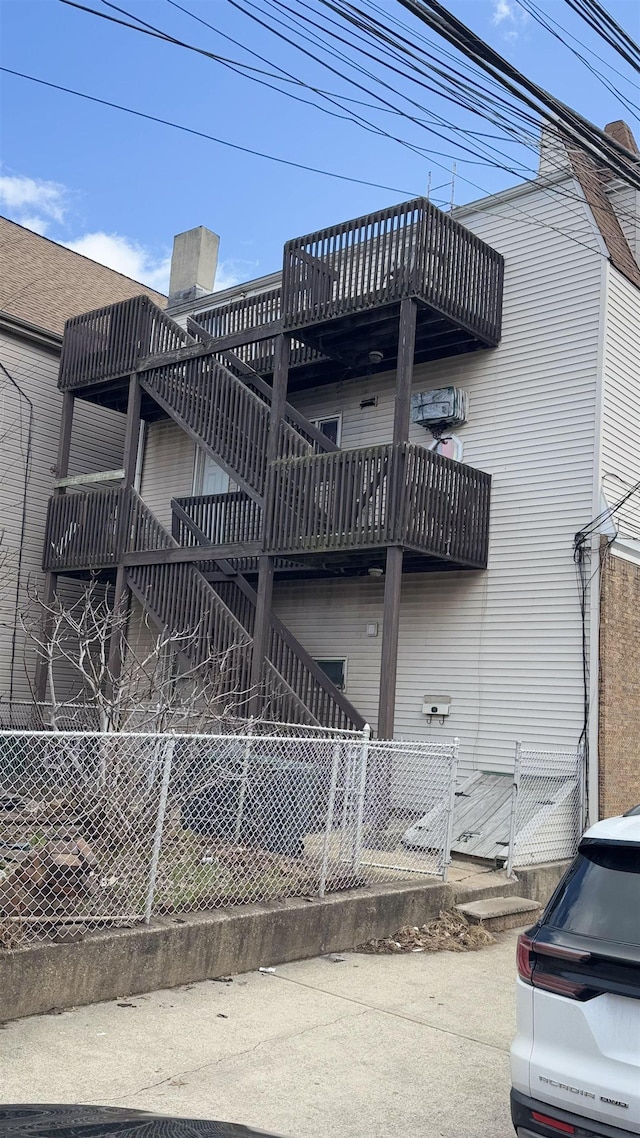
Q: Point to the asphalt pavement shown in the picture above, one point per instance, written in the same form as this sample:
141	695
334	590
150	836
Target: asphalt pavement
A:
358	1047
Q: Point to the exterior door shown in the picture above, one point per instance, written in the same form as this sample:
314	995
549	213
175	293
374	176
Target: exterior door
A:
214	479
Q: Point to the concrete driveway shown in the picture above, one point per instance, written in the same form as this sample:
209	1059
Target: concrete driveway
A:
363	1048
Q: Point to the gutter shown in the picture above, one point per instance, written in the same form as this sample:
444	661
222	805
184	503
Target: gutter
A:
33	333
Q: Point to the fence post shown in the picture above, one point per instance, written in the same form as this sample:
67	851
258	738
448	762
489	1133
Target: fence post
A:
244	779
157	838
448	838
514	809
360	795
329	823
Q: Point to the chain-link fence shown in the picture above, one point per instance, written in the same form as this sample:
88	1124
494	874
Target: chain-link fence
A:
77	822
547	806
100	829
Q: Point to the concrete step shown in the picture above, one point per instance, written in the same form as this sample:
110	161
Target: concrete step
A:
500	913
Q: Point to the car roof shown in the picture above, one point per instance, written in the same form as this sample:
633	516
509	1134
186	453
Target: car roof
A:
624	829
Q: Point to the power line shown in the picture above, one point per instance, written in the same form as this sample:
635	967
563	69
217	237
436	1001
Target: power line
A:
546	21
209	137
602	22
162	35
582	132
375	29
356	118
156	33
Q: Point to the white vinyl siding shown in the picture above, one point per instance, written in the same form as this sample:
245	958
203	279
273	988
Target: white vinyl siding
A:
167	468
505	644
97	442
621	400
626	202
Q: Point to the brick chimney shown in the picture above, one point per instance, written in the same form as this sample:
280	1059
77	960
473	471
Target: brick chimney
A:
622	133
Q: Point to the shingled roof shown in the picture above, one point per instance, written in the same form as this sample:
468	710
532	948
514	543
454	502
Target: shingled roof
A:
43	283
593	178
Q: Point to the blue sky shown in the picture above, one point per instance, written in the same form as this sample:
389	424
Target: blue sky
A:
118	188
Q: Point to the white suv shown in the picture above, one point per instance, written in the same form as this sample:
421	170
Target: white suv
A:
575	1062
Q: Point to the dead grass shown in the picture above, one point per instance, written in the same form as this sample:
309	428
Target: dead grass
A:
450	932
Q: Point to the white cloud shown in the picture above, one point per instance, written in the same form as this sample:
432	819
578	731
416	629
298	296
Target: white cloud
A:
126	257
33	202
230	273
134	260
40	205
510	17
37	224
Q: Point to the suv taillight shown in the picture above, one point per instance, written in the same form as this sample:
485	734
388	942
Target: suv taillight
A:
546	980
524	958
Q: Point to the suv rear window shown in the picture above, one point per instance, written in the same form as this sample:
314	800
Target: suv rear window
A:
601	895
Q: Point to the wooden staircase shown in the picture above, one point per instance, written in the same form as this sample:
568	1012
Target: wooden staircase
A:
217	621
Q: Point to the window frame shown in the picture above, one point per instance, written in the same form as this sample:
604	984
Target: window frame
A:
344	660
337	417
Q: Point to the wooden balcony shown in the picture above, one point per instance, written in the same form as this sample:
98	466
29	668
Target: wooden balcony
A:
103	347
306	365
333	511
342	286
89	531
344	508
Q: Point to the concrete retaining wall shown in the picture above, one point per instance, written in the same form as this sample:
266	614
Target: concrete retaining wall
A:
173	951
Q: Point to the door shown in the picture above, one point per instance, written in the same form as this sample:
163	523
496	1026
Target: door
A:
213	479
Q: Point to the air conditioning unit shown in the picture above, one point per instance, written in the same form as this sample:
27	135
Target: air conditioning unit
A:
440	409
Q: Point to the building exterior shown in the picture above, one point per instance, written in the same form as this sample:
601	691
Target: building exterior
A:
42	284
290	502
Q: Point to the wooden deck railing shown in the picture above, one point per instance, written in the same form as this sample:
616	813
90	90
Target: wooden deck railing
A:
109	342
89	530
82	530
250	312
412	249
378	496
223	518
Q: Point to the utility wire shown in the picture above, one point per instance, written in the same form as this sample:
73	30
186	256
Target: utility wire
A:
381	31
159	34
602	22
365	123
584	133
546	21
209	137
156	33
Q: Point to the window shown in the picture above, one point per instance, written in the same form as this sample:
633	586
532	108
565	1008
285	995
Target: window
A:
335	670
331	426
601	894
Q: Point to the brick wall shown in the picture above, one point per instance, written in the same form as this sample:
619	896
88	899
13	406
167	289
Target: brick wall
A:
619	710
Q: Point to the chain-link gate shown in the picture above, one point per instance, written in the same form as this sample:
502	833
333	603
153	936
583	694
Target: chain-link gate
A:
409	808
547	806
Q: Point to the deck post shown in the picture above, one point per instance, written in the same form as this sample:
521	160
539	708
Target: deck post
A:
393	572
121	594
51	579
262	626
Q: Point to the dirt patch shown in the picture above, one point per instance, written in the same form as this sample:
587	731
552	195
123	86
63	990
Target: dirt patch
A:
449	932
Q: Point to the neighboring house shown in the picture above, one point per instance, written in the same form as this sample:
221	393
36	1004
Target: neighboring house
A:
328	539
42	284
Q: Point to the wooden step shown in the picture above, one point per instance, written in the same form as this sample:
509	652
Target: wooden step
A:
500	913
